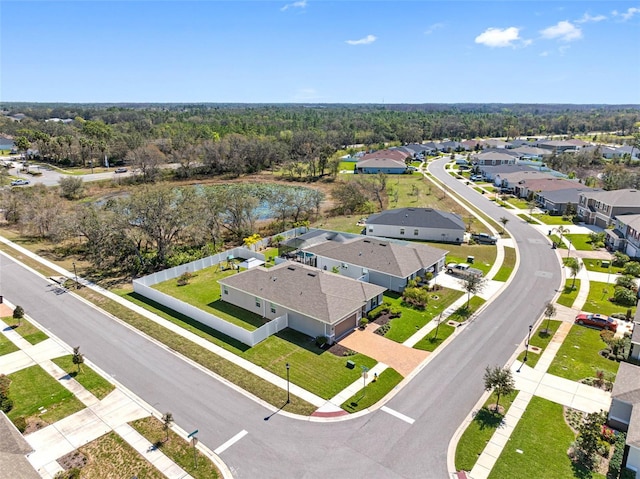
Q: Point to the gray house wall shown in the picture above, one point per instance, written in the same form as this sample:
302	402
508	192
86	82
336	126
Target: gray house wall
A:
423	233
620	414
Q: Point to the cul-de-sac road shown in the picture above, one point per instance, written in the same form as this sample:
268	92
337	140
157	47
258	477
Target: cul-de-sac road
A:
378	444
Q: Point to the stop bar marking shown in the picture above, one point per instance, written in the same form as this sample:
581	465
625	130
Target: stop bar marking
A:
397	414
230	442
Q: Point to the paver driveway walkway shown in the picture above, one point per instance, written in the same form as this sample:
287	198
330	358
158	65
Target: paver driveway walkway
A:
395	355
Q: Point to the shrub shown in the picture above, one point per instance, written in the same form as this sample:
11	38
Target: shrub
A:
626	281
606	335
620	315
608	434
615	463
184	278
620	259
627	474
382	330
6	404
18	313
349	352
363	322
375	313
632	268
321	341
20	423
624	296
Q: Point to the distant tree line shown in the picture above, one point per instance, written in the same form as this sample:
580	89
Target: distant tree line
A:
238	139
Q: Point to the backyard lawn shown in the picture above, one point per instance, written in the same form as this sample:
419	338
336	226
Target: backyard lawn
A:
36	393
479	432
569	294
578	356
203	292
539	445
27	330
92	381
412	320
598	300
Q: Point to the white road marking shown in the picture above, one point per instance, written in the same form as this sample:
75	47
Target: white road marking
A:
231	442
397	414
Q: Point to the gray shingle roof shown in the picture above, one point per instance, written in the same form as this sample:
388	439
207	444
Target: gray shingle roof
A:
569	195
13	448
418	217
632	220
627	197
395	259
627	385
322	295
381	163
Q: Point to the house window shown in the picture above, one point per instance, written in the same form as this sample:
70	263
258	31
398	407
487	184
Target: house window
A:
415	232
258	302
401	231
370	230
225	290
273	308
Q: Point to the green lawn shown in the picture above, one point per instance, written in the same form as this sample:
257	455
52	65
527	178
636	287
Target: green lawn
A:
540	339
92	381
348	223
33	391
539	446
580	241
598	300
374	391
479	432
6	346
412	320
596	265
27	330
347	166
176	448
430	342
525	217
569	294
556	239
551	220
507	265
519	203
483	255
578	356
203	292
463	313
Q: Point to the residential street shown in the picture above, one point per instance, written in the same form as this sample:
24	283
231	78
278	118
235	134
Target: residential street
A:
412	444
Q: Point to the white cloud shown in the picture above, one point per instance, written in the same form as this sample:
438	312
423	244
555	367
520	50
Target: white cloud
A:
544	54
363	41
563	49
433	28
299	4
586	18
565	31
499	37
628	15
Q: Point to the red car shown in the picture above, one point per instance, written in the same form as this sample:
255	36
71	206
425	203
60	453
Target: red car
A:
597	321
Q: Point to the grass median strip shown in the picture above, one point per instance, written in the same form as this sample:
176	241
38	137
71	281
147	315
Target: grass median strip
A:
6	346
431	341
507	265
87	377
176	448
569	293
374	391
25	329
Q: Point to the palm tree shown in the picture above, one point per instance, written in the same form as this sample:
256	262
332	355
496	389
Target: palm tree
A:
561	230
575	266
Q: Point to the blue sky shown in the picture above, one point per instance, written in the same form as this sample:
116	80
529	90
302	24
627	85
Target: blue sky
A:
307	51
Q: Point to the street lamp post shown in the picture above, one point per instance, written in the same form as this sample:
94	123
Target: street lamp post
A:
75	274
526	348
288	396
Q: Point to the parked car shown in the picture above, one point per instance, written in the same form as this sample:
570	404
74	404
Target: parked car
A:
484	238
19	182
476	178
599	321
121	170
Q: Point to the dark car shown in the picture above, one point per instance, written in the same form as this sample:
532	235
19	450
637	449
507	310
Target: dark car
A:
484	238
599	321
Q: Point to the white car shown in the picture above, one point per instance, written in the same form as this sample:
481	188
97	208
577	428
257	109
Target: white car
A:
19	182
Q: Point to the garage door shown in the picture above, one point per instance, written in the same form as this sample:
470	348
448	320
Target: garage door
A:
345	326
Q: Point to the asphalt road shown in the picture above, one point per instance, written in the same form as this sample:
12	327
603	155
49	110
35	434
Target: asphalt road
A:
378	445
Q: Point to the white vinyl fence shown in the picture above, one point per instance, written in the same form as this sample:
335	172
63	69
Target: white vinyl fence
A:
143	286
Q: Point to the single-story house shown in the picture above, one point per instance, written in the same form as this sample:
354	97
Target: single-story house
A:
531	153
491	172
316	302
495	143
531	187
381	165
493	158
417	224
387	263
634	353
558	146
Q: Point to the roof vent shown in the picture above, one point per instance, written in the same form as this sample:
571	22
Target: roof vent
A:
291	268
313	275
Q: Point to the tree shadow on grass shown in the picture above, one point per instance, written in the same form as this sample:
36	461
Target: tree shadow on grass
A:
580	470
488	419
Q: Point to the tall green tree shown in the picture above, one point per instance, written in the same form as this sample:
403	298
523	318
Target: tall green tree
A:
500	381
